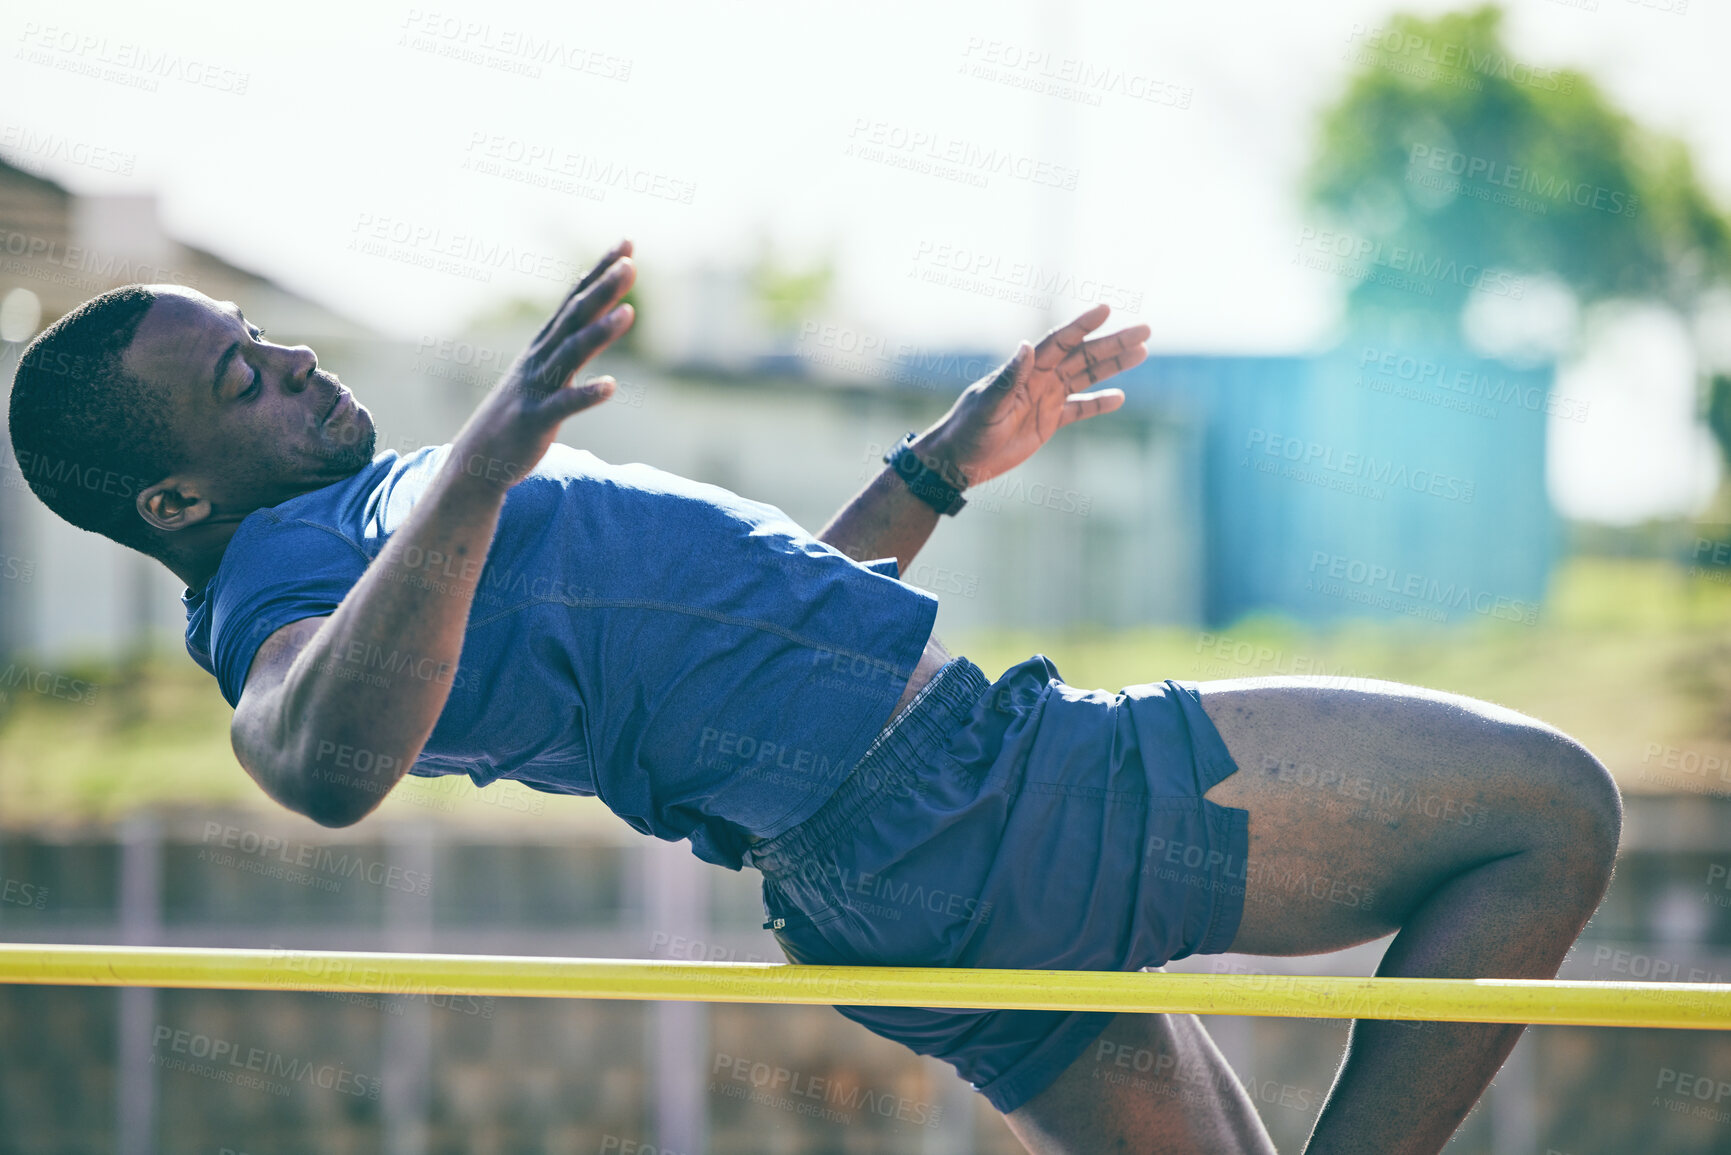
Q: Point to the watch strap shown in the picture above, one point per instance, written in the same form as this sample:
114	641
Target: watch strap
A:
924	482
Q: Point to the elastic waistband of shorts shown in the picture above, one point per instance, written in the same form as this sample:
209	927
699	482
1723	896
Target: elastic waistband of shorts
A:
891	768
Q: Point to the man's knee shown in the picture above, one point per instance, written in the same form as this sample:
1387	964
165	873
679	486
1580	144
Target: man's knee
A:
1597	799
1579	804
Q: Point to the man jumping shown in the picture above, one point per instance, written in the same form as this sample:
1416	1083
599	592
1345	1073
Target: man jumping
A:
507	607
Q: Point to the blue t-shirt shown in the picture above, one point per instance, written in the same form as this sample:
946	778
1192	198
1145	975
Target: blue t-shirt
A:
696	660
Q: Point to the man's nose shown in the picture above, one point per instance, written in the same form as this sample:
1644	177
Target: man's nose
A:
302	361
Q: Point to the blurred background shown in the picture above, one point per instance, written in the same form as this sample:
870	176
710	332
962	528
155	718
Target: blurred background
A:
1439	391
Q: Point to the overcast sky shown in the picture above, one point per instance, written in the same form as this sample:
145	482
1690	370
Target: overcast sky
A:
341	150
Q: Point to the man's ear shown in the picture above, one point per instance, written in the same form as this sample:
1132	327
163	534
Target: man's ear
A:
174	504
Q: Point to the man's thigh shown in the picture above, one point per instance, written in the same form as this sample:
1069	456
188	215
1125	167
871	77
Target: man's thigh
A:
1149	1083
1365	795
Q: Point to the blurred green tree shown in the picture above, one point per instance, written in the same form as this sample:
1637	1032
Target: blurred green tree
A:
1447	161
788	296
1449	167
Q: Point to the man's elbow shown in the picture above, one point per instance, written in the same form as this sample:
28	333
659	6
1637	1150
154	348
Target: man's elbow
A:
333	813
335	805
289	776
324	803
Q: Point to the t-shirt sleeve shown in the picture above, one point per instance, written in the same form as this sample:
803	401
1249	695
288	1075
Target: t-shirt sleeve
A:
273	573
886	566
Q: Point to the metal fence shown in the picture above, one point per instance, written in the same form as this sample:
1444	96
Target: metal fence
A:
419	1071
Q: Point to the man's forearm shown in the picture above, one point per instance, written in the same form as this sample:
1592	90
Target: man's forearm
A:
375	675
885	519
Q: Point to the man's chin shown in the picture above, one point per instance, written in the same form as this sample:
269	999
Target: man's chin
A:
352	455
352	442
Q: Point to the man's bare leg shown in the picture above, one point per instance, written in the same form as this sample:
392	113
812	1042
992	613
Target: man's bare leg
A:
1150	1083
1483	837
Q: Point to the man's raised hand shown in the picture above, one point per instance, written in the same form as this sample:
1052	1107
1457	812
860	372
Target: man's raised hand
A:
999	421
511	428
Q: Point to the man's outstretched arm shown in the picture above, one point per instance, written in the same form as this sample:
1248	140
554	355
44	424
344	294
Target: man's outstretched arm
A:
296	706
995	425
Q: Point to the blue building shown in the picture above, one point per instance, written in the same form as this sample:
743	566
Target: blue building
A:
1369	481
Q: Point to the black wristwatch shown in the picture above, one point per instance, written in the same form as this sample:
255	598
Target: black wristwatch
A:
926	483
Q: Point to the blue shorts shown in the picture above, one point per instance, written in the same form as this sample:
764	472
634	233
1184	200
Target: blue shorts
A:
1021	823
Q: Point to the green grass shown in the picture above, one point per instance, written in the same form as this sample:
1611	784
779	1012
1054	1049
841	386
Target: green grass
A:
1626	655
156	737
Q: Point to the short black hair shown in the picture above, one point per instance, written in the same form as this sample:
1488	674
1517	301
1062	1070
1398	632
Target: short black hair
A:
86	433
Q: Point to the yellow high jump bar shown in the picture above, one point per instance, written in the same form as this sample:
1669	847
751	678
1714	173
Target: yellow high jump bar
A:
1697	1006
